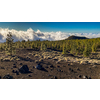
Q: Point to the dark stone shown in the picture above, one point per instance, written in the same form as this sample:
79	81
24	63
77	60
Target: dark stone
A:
51	66
8	77
46	67
38	67
61	70
30	75
0	77
17	72
48	74
86	77
78	69
89	78
55	77
58	66
80	76
14	66
2	68
20	64
58	70
24	69
68	64
33	67
70	69
13	71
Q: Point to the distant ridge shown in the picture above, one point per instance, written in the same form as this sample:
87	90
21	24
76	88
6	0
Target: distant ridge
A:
75	37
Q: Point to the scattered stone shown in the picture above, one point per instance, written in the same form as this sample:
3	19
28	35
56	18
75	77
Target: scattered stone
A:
68	64
17	72
20	64
51	66
36	61
48	74
38	67
94	66
84	62
78	69
55	77
89	78
58	70
30	75
2	68
13	71
24	69
80	76
58	62
89	68
58	66
61	70
14	66
71	64
85	77
71	70
46	67
64	66
33	67
8	77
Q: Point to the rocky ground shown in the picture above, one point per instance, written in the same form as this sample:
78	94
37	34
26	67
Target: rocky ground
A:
30	64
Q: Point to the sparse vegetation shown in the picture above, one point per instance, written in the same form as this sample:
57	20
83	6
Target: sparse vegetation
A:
77	47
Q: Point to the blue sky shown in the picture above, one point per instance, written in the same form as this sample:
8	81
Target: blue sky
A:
82	27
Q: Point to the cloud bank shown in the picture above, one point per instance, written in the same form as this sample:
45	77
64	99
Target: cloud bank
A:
32	35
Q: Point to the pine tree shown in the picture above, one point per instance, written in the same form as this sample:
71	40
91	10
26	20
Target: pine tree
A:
9	44
43	47
87	50
64	49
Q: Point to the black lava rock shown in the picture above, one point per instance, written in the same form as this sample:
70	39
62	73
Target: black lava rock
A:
55	77
33	67
17	72
58	66
89	78
2	68
24	69
8	77
80	76
30	75
14	66
46	67
70	69
51	66
20	64
78	69
13	71
58	70
38	67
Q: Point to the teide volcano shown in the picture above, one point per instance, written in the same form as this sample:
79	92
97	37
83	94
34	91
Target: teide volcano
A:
75	37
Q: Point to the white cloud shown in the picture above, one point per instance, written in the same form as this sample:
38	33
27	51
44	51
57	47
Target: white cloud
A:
32	35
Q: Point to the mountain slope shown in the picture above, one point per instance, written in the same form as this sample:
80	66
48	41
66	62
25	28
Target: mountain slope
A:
75	37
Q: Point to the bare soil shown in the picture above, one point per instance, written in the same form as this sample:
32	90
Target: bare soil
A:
52	69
